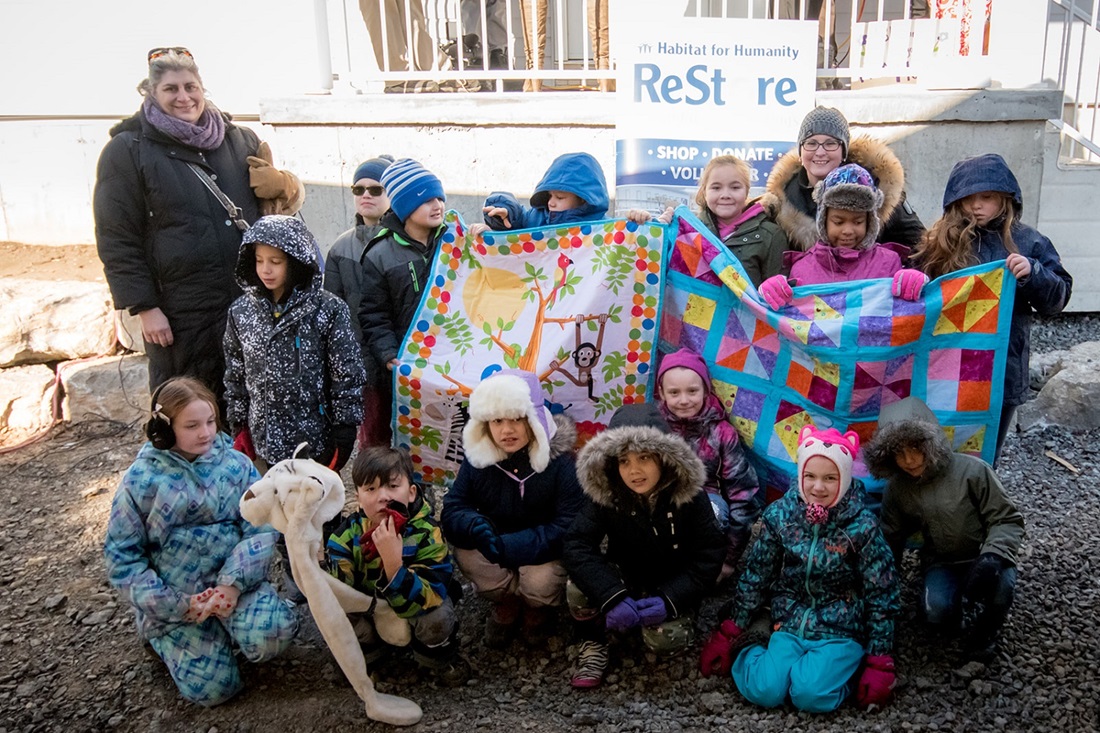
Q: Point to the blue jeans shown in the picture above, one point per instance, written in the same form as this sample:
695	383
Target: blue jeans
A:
942	602
816	674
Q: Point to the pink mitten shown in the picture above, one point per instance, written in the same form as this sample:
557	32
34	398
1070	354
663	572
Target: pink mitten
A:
776	291
876	684
717	654
908	283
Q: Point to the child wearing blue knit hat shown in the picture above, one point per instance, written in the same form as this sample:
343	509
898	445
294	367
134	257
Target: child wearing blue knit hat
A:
398	260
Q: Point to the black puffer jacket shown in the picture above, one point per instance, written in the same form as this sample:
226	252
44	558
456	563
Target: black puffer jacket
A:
293	370
344	278
395	275
666	544
165	241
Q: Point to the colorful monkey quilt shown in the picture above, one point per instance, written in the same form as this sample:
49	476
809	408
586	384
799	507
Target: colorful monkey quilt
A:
577	305
838	353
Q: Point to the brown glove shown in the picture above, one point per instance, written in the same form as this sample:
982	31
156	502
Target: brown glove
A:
280	192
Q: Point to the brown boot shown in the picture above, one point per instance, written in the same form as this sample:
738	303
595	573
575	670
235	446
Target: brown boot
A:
503	619
538	624
532	85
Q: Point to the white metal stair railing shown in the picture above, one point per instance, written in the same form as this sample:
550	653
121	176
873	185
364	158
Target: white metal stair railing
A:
568	58
1072	59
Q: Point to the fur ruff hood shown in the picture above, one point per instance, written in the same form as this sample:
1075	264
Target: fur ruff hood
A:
598	465
800	225
907	423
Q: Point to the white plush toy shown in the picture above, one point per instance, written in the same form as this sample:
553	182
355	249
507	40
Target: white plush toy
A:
297	496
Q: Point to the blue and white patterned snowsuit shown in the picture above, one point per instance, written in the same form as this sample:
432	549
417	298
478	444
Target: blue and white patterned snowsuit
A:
175	530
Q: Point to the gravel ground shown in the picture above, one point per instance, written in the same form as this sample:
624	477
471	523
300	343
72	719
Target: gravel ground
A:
70	660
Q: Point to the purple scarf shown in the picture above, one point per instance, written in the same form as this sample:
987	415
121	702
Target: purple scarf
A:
207	135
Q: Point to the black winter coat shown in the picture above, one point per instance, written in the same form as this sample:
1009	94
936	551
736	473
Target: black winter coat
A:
395	276
165	241
667	544
344	279
290	377
531	526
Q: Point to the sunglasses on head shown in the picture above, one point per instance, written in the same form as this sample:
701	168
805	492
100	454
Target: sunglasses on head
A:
156	53
372	190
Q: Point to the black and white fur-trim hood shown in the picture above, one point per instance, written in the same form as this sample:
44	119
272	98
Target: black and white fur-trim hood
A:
682	475
908	423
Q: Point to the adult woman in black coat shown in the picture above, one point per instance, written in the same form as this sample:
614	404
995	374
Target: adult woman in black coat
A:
167	243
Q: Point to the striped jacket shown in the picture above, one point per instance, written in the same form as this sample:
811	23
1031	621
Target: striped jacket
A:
421	584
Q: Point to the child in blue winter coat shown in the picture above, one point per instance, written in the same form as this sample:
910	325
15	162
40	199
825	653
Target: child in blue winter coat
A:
823	567
572	190
982	204
179	552
293	367
511	504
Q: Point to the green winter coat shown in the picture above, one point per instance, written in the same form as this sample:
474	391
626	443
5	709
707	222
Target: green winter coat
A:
957	504
758	244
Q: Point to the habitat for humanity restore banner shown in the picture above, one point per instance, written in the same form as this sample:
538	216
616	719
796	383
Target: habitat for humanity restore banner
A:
694	88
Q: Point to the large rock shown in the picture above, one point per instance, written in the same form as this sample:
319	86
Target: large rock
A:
113	388
1071	396
128	331
26	402
53	320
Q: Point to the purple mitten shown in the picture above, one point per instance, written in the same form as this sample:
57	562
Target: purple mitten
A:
776	291
652	611
623	616
876	684
908	284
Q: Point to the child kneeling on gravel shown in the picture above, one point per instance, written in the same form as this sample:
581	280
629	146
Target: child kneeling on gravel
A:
178	550
392	549
644	486
971	530
822	565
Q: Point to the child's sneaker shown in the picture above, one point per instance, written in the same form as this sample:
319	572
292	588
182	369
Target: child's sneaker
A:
500	627
591	663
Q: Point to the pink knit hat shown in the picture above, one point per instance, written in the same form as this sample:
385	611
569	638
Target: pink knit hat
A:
831	444
685	359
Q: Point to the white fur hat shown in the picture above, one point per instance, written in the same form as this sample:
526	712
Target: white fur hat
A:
509	394
840	449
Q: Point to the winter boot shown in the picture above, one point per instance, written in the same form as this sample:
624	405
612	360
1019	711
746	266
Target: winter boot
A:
591	665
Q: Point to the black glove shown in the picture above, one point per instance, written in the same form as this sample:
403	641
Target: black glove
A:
343	441
487	541
981	584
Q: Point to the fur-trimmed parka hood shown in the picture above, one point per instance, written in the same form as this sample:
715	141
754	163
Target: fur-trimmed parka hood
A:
682	476
907	423
798	218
